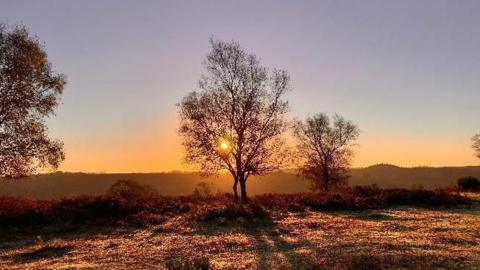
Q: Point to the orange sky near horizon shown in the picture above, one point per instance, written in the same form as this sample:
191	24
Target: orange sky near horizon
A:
156	149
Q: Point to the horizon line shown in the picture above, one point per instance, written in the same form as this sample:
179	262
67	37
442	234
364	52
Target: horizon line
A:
279	170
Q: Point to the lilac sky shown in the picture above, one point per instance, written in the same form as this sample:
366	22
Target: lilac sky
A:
407	72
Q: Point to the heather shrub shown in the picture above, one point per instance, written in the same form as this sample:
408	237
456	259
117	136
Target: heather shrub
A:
279	202
468	184
423	197
85	208
363	262
230	212
185	262
20	212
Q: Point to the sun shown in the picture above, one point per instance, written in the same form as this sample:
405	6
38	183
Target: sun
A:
224	145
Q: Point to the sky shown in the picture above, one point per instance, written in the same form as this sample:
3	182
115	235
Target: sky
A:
406	72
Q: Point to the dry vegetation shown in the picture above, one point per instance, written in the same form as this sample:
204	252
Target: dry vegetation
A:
273	232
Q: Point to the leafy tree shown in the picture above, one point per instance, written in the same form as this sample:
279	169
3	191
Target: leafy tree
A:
326	149
29	92
236	119
476	145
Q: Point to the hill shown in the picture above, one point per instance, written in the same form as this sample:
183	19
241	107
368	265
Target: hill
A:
60	184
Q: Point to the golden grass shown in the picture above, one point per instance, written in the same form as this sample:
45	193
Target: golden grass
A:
398	238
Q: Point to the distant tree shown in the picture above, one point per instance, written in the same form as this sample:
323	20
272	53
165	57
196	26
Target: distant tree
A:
326	149
468	184
203	190
126	189
236	119
476	145
29	92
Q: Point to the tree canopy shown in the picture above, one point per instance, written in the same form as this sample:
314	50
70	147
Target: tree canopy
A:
236	118
29	92
476	145
326	148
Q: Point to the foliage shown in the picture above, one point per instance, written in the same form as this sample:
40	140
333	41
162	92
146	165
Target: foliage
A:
326	149
468	184
236	120
29	92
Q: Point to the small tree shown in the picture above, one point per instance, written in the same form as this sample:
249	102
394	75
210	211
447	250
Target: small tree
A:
203	190
128	190
476	145
29	92
236	120
326	149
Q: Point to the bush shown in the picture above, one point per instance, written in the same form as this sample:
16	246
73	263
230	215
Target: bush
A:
468	184
423	198
84	209
230	212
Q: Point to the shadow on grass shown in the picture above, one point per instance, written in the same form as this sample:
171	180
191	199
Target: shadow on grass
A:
272	250
269	241
15	239
370	215
47	252
366	215
472	209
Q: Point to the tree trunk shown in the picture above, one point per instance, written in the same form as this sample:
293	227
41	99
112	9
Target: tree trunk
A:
243	190
325	185
326	178
235	190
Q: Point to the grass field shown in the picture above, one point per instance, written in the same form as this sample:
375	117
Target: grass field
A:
392	238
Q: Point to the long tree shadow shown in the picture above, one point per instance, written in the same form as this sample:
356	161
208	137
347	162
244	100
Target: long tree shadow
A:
22	238
46	252
269	241
367	215
472	209
270	246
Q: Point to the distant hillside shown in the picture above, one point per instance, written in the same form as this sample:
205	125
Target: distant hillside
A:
393	176
57	185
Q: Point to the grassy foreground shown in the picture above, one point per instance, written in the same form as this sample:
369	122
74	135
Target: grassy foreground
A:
396	237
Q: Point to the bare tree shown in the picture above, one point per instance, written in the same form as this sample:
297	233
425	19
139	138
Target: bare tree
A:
476	145
326	149
235	121
29	92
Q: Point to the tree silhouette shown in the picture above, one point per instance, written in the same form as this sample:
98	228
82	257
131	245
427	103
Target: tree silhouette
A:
236	119
326	149
29	92
476	145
